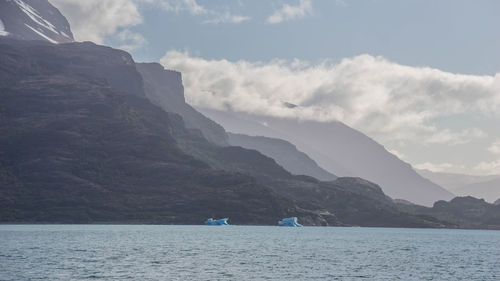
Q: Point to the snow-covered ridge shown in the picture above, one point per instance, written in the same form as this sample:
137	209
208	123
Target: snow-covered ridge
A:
33	20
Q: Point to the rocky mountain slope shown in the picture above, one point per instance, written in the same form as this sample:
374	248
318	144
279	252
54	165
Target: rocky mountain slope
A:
33	20
78	147
285	154
331	143
80	142
465	212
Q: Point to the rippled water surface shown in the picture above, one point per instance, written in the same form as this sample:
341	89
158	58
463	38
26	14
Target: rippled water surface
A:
137	252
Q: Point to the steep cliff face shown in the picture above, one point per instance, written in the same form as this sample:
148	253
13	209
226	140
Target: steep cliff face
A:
465	212
164	88
33	20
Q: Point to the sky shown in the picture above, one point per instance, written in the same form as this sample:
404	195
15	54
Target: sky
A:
420	77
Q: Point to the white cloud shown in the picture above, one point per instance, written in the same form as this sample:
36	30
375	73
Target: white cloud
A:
98	20
495	147
434	167
131	40
288	12
227	17
383	99
488	168
492	167
396	153
453	138
194	8
190	6
94	20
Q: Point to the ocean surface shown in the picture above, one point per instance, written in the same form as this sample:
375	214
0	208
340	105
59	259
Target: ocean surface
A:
149	252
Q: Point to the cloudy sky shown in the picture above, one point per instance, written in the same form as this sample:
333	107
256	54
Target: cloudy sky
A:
420	77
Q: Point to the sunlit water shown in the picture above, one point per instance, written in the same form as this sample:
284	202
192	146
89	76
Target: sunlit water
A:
137	252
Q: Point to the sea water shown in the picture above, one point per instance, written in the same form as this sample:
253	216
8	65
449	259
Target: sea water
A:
158	252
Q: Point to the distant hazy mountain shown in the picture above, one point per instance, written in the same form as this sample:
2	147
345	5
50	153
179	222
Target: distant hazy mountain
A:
486	187
243	124
285	154
33	20
452	181
488	190
332	143
164	88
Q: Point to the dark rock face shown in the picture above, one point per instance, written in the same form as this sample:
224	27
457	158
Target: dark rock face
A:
100	65
164	88
74	148
34	20
285	154
465	212
80	145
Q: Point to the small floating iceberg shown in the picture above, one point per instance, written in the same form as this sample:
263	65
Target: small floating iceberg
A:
289	222
211	221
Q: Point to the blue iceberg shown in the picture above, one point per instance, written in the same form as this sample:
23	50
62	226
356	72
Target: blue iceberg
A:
289	222
211	221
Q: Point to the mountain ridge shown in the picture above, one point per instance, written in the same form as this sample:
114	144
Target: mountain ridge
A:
285	154
360	155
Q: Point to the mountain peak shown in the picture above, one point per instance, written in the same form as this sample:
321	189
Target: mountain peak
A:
33	20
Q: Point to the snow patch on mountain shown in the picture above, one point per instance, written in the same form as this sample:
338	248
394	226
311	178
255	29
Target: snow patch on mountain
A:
2	29
41	34
34	20
35	16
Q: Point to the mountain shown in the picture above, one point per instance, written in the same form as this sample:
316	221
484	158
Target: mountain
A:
488	190
76	145
331	143
452	181
240	123
285	154
164	88
465	212
486	187
81	143
33	20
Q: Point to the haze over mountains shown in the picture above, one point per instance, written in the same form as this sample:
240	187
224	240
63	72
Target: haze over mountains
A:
486	187
285	154
89	135
342	151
